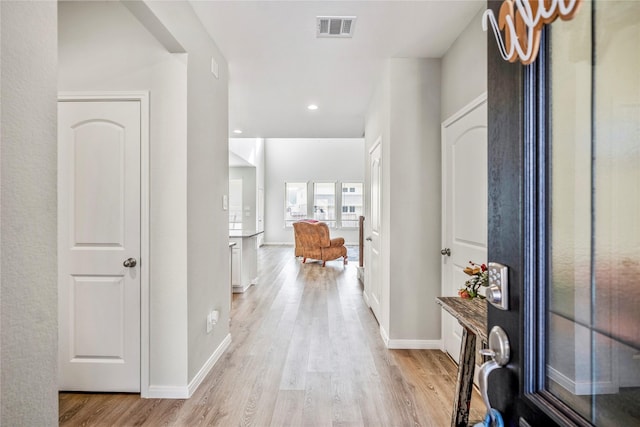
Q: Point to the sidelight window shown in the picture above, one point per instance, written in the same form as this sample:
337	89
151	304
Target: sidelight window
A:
591	351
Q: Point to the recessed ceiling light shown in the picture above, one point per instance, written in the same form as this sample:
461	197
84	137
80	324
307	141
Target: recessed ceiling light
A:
238	131
312	107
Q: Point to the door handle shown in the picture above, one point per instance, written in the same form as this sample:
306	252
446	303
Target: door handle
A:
446	251
130	262
483	378
368	239
499	350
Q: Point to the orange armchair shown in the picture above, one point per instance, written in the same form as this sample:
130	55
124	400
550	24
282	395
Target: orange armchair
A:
298	247
313	241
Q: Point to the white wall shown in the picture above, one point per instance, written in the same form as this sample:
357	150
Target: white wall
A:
462	83
410	101
414	199
104	47
252	151
249	194
307	160
28	212
464	68
405	112
207	180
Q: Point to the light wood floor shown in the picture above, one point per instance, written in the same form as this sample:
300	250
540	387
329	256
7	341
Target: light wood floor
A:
305	351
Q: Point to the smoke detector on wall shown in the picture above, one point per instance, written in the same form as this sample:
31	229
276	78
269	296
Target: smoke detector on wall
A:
335	26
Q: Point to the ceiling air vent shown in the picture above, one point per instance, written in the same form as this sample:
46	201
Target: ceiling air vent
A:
335	26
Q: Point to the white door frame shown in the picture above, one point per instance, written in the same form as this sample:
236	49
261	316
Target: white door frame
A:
445	187
143	98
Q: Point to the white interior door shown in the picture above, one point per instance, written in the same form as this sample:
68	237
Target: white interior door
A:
464	201
373	269
99	228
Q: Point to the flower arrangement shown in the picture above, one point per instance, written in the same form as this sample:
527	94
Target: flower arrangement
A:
479	277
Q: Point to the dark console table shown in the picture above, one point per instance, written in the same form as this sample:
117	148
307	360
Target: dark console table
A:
472	315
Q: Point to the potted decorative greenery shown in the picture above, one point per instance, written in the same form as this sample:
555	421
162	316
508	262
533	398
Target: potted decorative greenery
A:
479	277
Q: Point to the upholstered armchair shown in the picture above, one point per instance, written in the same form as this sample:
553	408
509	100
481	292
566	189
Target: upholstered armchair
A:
313	241
298	247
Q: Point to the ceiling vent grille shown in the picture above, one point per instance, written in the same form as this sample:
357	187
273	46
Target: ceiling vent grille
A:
335	26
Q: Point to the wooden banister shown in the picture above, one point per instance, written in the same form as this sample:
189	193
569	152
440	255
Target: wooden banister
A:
361	243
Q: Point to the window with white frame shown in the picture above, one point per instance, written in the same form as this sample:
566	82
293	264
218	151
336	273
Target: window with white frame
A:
352	204
337	209
295	202
324	202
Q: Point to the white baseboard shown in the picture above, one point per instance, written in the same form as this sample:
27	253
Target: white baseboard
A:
415	344
366	298
185	392
580	388
241	289
385	336
167	392
204	371
405	344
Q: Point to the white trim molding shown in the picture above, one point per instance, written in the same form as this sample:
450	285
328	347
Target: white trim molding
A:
385	336
209	364
366	297
415	344
186	391
167	392
580	388
482	98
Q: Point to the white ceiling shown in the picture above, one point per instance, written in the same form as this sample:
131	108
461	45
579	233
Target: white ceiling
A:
277	65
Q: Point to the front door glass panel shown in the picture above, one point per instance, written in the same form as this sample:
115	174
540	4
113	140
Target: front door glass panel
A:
593	306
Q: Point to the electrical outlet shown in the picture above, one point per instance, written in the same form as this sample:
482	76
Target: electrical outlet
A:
209	323
212	319
215	69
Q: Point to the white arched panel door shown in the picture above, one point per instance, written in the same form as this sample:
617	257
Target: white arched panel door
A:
99	245
464	205
373	269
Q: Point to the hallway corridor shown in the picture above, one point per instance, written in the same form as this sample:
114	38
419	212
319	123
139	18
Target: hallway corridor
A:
305	351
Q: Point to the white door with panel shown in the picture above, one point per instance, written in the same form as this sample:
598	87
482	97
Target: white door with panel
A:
464	205
99	245
373	270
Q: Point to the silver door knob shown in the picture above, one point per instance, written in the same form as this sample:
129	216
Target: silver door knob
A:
446	251
494	295
499	347
130	263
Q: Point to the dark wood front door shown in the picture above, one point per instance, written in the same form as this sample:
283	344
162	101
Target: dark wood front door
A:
564	216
